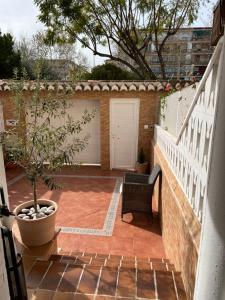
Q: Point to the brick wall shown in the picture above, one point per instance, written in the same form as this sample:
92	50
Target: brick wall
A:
180	227
149	107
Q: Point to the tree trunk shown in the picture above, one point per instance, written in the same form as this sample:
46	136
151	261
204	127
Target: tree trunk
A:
35	196
145	69
148	74
162	64
141	69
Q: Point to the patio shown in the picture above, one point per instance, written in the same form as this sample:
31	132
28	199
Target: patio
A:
89	214
95	255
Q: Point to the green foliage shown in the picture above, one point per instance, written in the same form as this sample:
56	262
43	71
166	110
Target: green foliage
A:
110	71
163	104
45	137
9	57
141	156
163	101
46	72
125	25
79	73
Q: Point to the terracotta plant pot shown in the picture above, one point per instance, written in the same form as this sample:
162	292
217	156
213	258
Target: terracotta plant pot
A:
142	168
40	231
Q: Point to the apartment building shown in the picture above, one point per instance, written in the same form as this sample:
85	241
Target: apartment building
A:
186	54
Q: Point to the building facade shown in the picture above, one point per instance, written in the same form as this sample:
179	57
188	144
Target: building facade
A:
186	54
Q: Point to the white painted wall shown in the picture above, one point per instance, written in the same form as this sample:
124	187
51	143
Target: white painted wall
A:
91	153
4	290
76	109
176	108
210	280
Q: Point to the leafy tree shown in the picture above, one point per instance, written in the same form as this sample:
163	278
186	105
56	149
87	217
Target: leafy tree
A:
9	57
110	71
79	72
126	25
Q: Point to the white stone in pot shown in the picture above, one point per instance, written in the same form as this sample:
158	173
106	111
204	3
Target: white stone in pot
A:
40	215
21	215
51	207
43	209
49	211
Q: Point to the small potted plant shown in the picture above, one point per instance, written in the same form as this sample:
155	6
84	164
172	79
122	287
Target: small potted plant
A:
8	159
40	147
142	164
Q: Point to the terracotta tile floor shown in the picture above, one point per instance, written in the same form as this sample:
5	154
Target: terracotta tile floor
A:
88	198
13	172
73	277
137	235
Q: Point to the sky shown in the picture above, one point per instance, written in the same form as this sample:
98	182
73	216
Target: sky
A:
19	17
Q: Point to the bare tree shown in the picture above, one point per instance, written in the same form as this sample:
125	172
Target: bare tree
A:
37	51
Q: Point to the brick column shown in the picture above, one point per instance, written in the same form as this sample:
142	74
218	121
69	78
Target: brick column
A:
104	129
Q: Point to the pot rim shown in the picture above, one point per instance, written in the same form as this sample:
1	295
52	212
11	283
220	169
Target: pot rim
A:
15	211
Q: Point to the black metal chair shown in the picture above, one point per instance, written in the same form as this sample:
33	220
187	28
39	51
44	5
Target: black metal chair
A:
137	191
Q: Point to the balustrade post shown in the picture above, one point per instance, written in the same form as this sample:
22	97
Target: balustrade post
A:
210	280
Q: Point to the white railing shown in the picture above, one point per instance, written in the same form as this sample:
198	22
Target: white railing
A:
189	155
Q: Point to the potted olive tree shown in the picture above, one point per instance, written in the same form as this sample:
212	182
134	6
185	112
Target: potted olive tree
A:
142	164
44	139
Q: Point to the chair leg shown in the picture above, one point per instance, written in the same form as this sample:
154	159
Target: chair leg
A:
151	214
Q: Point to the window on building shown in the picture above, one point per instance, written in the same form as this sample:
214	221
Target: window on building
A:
201	34
154	58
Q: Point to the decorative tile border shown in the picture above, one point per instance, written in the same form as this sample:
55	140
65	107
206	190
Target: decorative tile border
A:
110	218
108	226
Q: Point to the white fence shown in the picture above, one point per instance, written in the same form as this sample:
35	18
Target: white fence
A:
176	106
189	155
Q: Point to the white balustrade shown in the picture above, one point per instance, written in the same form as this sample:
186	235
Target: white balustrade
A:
189	155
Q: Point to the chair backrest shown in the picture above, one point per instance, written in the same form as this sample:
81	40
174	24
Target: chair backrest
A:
137	178
154	174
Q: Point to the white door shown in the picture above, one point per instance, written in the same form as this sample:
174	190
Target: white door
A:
124	127
91	154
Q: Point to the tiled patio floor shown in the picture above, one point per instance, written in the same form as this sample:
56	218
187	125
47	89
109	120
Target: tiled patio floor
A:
86	197
90	199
